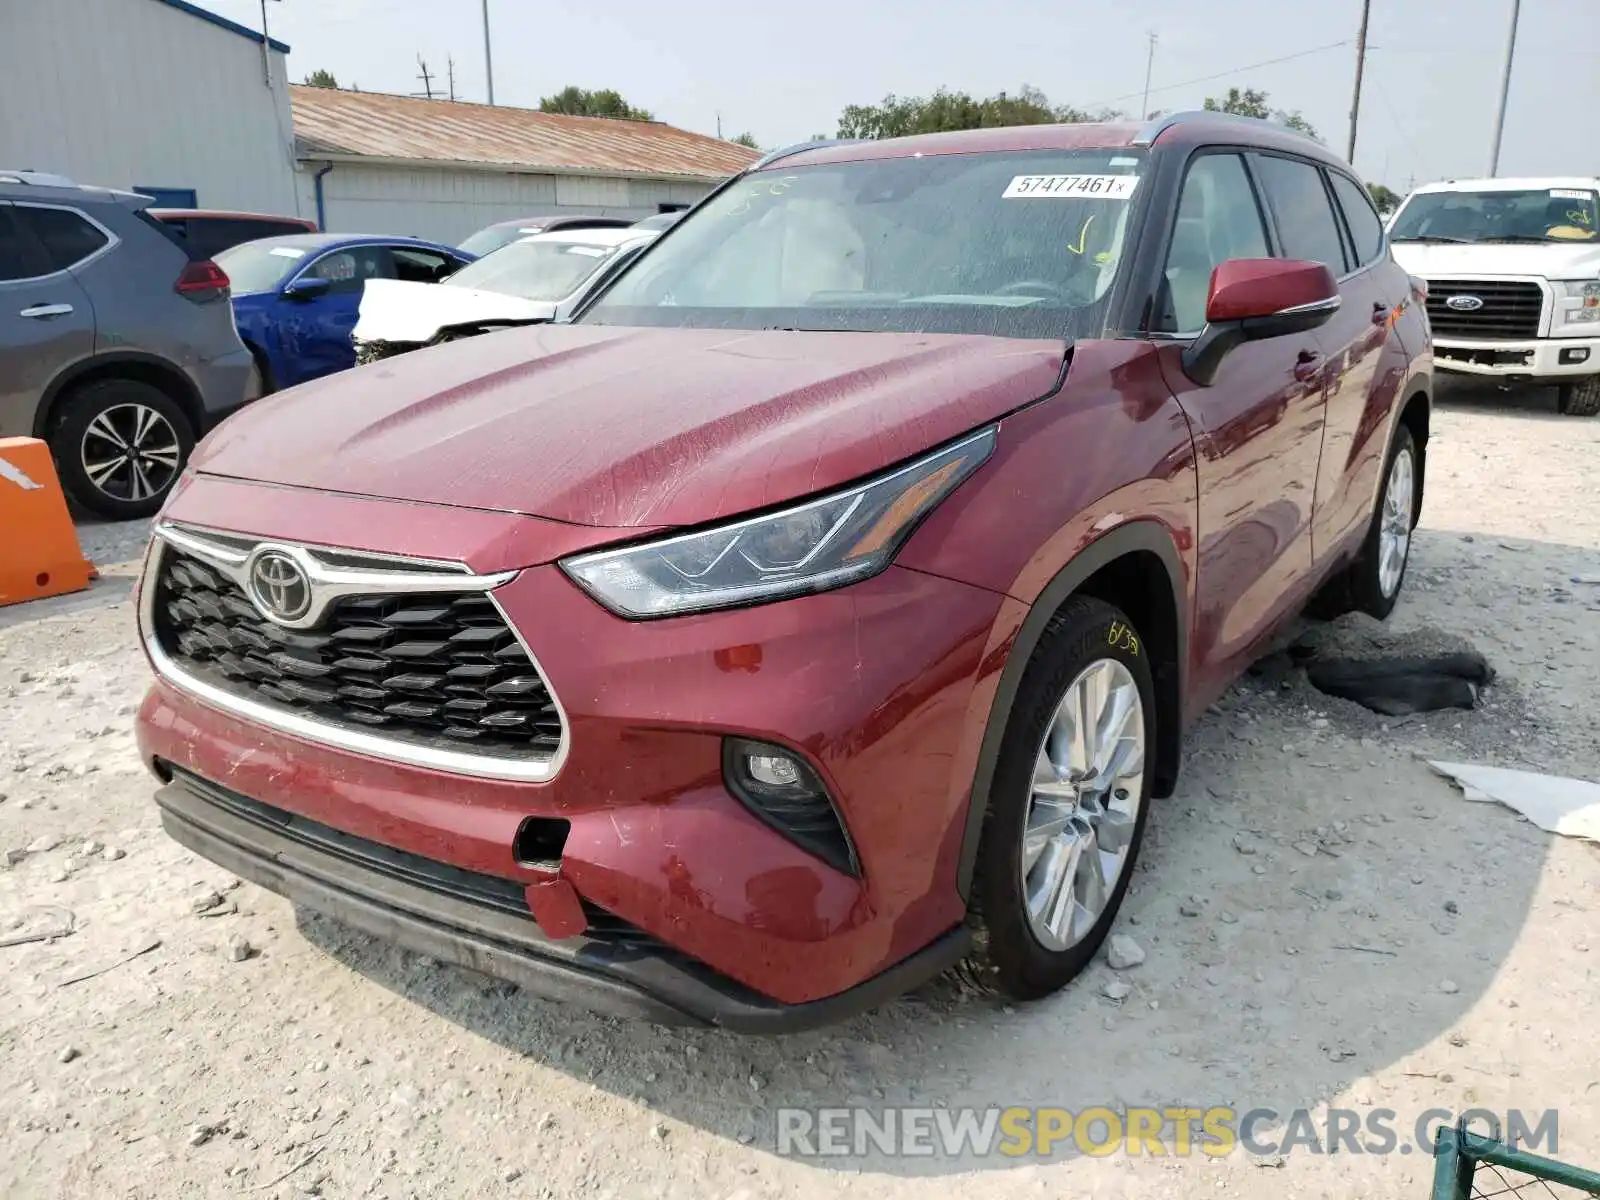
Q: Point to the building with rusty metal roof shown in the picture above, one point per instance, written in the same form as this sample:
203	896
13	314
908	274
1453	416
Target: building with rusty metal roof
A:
167	98
442	169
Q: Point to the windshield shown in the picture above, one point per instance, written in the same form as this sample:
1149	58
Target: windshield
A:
259	266
1536	215
493	238
1020	244
533	269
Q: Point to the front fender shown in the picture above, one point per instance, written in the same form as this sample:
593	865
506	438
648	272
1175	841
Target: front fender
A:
1101	470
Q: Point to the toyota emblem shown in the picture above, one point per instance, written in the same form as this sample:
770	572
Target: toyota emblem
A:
279	587
1464	303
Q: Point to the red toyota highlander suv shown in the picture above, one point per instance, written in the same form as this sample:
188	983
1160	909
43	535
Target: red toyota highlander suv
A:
823	606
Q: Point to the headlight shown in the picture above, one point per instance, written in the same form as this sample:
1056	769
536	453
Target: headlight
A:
1587	292
825	543
1579	304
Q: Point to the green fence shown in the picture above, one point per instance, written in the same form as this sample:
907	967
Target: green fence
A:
1469	1166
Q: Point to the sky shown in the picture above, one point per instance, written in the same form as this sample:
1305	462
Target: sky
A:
783	72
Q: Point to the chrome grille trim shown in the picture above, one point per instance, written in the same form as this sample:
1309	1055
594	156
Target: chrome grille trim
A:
398	575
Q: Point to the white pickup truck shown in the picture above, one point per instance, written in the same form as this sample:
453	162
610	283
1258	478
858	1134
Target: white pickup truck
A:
1513	274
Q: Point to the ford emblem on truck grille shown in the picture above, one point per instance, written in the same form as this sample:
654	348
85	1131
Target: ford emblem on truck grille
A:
1464	303
279	587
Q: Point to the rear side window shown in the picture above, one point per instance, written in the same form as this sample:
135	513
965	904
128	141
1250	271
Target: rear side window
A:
67	236
16	251
1306	223
1366	230
422	266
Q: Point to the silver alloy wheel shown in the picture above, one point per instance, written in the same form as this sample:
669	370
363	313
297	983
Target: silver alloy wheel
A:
1394	532
1088	784
130	452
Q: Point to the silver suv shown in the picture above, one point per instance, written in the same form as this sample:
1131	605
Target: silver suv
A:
115	347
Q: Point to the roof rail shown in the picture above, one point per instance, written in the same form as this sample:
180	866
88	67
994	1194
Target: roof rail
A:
773	156
35	178
1155	128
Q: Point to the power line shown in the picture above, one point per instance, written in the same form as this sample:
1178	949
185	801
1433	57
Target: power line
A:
1383	95
1271	62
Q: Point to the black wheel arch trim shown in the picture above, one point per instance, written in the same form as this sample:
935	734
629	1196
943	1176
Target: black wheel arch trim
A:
184	393
1143	535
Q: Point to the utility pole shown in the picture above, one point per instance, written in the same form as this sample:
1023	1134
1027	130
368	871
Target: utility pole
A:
266	47
488	59
1505	90
450	66
427	79
1149	65
1361	70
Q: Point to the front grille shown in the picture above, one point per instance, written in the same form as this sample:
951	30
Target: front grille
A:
1510	311
439	670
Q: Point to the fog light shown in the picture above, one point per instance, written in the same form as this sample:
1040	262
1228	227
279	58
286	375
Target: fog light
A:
1575	354
784	791
775	770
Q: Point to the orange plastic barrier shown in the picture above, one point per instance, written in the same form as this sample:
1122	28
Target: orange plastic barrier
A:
39	552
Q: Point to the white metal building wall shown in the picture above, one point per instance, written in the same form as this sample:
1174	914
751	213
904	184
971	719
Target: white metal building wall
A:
127	93
448	204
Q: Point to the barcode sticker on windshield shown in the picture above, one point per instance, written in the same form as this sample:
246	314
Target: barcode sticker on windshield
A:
1569	194
1073	187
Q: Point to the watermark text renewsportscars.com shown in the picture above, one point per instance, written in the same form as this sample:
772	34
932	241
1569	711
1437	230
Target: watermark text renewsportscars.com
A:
1173	1131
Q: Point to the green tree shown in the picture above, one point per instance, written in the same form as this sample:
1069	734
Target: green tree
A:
1385	200
900	116
746	139
581	102
1252	103
321	78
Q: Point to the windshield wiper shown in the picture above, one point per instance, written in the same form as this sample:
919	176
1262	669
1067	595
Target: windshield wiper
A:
1433	237
1518	237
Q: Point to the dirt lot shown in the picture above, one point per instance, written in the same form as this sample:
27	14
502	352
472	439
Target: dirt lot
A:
1363	937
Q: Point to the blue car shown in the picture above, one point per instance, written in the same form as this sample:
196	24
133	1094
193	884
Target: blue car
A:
296	298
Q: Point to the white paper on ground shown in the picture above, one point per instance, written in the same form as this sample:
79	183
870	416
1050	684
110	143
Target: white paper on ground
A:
1552	802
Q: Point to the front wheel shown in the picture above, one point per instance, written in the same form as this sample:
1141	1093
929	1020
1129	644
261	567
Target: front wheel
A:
1068	807
1580	398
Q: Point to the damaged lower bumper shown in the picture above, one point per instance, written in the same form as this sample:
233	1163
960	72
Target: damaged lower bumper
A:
483	923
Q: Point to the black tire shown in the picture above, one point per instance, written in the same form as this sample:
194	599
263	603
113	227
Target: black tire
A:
122	495
1580	398
1009	957
1365	578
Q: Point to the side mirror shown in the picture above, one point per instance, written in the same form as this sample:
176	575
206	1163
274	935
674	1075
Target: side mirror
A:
306	288
1252	299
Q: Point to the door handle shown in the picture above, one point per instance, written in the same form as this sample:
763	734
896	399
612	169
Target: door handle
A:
42	312
1308	367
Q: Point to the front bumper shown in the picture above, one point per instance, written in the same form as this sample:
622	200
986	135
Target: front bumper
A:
473	922
1532	359
876	684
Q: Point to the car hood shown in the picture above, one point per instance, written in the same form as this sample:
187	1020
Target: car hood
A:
395	310
1554	260
608	426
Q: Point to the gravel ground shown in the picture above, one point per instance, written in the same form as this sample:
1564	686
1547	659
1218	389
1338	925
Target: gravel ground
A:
1359	936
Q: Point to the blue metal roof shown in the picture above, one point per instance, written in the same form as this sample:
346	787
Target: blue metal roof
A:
194	10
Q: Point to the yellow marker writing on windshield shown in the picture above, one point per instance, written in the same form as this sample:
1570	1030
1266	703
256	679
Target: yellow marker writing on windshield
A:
1083	236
